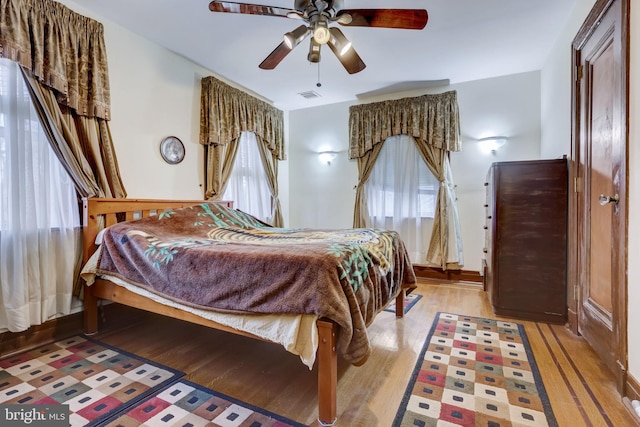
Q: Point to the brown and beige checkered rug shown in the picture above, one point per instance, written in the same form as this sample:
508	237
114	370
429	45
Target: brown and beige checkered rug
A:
475	372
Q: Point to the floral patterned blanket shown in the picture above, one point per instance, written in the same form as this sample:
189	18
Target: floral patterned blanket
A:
213	257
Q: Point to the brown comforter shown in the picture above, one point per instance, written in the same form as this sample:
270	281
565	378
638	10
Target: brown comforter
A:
213	257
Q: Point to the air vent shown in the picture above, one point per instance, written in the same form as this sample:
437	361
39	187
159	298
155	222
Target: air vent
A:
309	94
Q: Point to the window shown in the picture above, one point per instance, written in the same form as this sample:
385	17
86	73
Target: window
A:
247	186
39	216
401	194
427	193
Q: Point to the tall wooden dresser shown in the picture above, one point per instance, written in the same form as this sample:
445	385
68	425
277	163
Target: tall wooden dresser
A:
525	268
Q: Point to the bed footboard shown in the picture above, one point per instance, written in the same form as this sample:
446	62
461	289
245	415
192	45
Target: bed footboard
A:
98	213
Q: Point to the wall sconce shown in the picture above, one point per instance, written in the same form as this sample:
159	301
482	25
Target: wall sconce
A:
492	144
327	156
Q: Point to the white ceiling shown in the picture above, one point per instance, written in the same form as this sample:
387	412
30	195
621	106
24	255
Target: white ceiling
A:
464	40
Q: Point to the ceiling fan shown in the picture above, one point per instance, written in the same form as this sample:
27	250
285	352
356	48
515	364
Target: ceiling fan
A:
318	15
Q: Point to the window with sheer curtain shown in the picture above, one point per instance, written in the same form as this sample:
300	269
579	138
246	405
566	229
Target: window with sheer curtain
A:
401	194
247	185
39	216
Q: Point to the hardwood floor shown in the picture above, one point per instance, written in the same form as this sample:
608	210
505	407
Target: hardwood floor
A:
581	389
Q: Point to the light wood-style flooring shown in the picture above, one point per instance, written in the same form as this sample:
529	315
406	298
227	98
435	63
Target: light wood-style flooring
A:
581	390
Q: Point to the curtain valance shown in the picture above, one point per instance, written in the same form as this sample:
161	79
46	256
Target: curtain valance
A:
430	118
226	111
62	49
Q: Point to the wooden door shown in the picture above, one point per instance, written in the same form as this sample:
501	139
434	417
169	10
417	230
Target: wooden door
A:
599	208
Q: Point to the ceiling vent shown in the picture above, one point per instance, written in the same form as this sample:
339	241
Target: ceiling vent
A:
309	94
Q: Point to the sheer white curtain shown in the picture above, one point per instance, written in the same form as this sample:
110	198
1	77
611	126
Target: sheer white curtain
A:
454	242
401	195
247	185
39	217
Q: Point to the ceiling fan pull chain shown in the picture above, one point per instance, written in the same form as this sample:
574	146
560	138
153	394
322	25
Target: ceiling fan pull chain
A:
318	84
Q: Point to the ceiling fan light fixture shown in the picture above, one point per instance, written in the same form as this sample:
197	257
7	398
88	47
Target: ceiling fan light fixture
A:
339	42
321	32
295	37
314	51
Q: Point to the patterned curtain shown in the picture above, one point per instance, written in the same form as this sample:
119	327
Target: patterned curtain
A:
270	163
83	144
225	112
433	120
62	49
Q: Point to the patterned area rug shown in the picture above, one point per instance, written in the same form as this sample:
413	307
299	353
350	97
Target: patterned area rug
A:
93	378
409	301
106	386
475	372
188	404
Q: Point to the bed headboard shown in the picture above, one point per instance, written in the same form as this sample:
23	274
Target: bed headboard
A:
117	210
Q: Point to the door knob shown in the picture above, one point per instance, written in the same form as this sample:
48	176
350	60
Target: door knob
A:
608	199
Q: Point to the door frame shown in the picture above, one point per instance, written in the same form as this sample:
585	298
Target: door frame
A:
576	199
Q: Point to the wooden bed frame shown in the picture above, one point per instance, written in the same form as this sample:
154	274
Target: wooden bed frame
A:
115	210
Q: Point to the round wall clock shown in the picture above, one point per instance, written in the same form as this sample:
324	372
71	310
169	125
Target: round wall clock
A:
172	150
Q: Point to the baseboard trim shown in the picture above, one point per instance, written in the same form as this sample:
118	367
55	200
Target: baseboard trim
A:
632	388
112	316
436	273
631	393
37	335
629	407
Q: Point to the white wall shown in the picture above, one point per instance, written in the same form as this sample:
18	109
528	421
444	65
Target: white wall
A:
505	106
154	95
556	138
323	196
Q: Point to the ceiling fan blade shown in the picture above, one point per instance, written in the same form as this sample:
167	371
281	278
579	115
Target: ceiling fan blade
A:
275	57
252	9
349	59
408	19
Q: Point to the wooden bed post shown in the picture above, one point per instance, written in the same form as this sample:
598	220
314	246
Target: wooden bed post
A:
89	233
400	303
90	311
327	372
